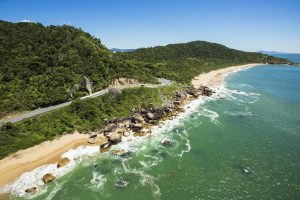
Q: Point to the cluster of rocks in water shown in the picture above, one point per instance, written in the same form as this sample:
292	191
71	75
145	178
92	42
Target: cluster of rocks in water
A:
139	124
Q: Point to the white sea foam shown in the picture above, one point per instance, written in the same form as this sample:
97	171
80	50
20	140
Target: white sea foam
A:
98	180
188	149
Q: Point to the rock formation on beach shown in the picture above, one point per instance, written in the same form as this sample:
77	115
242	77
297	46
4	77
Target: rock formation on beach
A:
47	178
30	190
63	162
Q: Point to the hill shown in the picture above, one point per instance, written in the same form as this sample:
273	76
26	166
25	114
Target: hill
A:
181	62
39	65
115	50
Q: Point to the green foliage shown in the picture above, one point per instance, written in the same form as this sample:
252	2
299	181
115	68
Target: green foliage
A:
181	62
38	65
83	115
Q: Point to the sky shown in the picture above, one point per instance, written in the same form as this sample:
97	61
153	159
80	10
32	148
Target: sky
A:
249	25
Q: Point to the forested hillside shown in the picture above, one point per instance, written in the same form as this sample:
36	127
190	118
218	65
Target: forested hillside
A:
182	62
39	65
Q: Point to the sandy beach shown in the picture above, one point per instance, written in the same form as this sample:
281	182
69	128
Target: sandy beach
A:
49	152
216	77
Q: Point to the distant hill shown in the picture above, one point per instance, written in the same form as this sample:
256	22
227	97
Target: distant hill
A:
115	50
182	61
270	52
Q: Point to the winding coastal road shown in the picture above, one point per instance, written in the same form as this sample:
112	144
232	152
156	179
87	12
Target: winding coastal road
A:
29	114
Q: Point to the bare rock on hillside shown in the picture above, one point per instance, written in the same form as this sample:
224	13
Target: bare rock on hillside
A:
87	85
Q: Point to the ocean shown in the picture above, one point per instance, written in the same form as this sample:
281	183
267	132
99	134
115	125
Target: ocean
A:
244	145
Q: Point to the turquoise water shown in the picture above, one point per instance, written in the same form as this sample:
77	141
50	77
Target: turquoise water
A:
256	125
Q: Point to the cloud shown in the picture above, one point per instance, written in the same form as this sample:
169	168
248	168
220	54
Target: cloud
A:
26	20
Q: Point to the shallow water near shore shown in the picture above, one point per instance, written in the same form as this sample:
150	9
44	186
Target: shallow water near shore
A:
256	125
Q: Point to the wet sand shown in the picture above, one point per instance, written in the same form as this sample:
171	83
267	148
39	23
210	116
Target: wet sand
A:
48	152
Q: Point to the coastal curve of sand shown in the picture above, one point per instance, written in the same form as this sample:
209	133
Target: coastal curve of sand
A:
216	78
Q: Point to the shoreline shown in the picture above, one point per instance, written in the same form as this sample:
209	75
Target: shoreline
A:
29	159
216	78
26	160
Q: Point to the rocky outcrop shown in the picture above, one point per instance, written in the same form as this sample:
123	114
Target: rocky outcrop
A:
123	81
87	85
166	142
206	91
30	190
105	147
63	162
47	178
114	137
150	116
136	127
73	90
111	127
137	118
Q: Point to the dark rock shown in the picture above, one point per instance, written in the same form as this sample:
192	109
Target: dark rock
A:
136	127
93	135
166	142
121	183
105	147
206	91
30	190
245	170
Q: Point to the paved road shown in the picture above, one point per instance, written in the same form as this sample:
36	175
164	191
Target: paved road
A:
163	83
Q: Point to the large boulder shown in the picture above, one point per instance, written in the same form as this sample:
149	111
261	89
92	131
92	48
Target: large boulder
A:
87	84
150	116
111	127
105	147
63	162
47	178
137	118
73	90
136	127
114	137
206	91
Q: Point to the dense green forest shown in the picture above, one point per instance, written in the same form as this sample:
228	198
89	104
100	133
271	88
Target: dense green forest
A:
181	62
39	65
